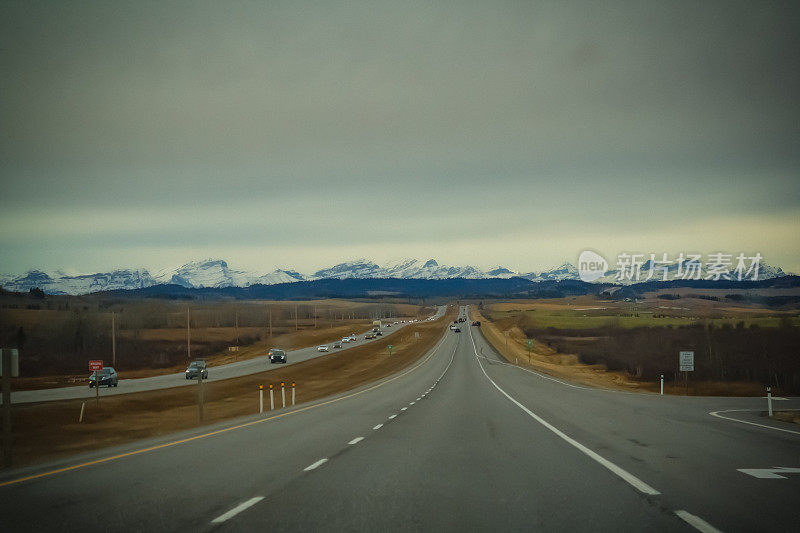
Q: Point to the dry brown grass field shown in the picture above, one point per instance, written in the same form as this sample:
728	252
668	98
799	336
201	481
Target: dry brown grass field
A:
51	429
585	321
58	335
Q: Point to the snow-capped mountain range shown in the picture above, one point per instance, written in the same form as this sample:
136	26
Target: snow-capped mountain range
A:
216	273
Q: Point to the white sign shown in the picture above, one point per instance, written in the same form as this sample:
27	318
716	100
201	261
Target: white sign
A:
12	354
686	360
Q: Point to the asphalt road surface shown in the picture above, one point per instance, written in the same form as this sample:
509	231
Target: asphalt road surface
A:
458	441
215	373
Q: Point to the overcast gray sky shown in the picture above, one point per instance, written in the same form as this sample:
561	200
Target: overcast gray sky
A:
299	134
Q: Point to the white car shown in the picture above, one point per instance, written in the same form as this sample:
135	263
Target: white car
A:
345	339
322	348
353	337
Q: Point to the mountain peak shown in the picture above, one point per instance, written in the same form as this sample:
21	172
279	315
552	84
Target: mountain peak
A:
215	273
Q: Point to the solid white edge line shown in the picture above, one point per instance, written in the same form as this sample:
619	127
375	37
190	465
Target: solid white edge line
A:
716	413
379	426
696	522
621	472
238	509
356	440
319	463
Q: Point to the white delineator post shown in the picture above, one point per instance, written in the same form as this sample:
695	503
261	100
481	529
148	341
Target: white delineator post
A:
769	400
292	392
283	393
662	384
261	398
271	399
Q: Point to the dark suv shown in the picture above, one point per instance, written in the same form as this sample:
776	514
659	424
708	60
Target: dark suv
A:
196	368
107	377
277	356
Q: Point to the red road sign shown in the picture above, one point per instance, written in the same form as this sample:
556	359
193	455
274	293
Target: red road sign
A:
95	365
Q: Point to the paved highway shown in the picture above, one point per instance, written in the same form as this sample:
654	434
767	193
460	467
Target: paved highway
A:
459	441
215	373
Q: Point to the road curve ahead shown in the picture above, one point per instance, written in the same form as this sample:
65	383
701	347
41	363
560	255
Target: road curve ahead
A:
215	373
458	441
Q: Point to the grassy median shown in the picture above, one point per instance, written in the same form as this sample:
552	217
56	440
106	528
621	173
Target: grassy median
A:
51	429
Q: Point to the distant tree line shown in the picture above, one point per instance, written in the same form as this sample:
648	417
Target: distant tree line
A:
722	353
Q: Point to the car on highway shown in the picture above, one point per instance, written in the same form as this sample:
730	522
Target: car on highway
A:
352	337
337	344
388	325
107	376
196	368
369	336
345	339
323	348
379	333
476	323
456	330
277	356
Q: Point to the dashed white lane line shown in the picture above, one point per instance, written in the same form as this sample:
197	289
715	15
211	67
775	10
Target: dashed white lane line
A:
412	403
379	426
419	398
403	408
356	440
317	464
696	522
393	416
238	509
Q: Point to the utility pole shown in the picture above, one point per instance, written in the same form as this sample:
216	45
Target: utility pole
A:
270	321
236	327
6	355
315	317
296	327
188	337
200	398
113	342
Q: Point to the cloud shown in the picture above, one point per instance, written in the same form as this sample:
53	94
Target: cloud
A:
165	126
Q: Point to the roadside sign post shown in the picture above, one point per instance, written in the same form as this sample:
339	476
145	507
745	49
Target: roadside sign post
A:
686	362
390	349
662	384
292	393
530	345
95	366
769	400
10	368
283	393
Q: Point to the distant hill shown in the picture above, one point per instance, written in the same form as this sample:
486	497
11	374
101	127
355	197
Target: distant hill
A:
432	288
